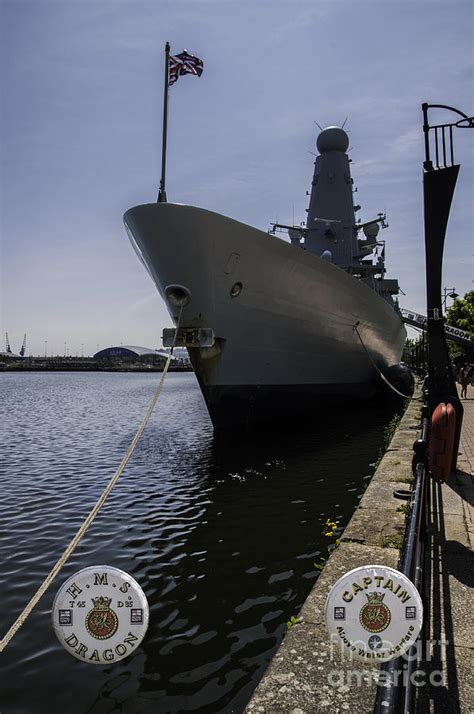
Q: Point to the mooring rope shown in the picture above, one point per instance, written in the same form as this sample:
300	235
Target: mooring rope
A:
405	396
80	533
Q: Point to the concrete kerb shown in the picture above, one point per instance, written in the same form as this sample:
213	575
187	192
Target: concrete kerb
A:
380	517
308	673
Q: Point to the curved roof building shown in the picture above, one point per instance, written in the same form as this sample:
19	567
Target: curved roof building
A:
130	352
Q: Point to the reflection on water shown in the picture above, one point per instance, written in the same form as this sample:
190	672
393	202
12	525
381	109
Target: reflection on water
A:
221	535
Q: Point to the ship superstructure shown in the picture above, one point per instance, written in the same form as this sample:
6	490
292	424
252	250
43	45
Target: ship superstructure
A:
331	230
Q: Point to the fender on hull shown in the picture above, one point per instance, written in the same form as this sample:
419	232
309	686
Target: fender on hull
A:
401	377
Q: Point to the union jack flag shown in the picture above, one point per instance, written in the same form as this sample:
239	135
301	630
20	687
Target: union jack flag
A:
184	63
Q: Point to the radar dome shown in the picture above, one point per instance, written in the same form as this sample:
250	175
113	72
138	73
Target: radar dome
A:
332	139
371	231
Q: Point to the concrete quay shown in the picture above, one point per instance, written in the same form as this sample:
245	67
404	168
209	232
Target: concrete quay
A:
309	675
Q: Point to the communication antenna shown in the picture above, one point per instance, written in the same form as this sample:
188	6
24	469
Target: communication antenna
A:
347	117
318	125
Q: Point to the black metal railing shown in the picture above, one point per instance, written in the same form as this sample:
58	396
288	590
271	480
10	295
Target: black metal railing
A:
397	693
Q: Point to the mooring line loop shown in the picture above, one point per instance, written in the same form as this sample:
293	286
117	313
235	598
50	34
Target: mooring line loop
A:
405	396
80	533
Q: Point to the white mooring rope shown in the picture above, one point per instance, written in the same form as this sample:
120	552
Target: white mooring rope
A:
405	396
80	533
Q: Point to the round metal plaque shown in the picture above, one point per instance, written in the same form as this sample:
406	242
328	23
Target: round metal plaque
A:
374	613
100	615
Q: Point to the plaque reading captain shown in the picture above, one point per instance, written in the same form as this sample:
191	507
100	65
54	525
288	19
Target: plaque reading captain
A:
374	613
100	614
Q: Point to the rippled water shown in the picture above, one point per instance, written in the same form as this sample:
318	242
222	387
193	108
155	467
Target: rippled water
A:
221	536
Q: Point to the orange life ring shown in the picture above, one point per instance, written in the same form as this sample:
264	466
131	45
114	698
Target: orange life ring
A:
440	449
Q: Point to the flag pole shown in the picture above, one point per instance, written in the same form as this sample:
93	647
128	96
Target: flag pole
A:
162	192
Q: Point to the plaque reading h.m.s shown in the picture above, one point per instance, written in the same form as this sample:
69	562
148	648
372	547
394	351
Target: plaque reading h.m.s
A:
100	614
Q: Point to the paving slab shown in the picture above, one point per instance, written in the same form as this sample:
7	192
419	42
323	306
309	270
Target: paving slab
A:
377	529
402	439
441	692
379	494
398	470
453	535
451	500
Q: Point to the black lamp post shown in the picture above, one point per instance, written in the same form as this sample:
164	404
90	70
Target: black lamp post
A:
439	180
449	292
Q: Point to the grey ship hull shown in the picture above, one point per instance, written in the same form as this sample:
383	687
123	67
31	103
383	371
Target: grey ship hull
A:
288	338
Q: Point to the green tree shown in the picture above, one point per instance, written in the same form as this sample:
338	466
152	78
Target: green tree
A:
414	354
461	315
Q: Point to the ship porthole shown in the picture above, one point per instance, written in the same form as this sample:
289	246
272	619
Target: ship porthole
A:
236	289
177	295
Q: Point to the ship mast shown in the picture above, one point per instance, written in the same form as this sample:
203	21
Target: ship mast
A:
331	227
162	191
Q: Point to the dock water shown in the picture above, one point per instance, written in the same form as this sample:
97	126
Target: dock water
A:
308	674
222	536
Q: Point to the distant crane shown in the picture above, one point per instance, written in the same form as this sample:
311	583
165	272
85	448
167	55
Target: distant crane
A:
23	347
8	348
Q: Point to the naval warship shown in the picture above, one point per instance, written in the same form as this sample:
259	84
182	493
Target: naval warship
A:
277	327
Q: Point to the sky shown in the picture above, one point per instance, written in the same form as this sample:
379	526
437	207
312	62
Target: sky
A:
81	119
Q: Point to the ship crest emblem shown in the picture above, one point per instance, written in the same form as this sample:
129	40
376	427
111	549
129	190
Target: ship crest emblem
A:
101	622
375	616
